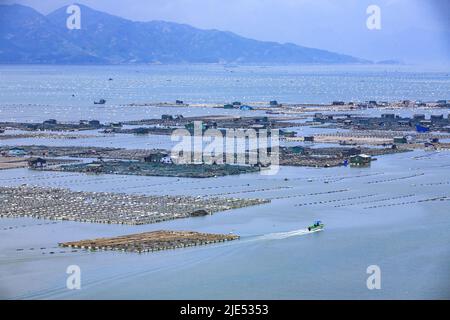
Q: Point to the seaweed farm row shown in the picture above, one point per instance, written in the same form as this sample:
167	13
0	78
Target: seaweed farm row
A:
335	200
102	207
151	241
438	198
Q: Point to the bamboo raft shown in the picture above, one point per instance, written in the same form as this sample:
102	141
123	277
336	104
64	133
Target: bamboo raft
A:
151	241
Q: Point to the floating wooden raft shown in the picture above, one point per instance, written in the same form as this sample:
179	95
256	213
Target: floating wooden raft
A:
151	241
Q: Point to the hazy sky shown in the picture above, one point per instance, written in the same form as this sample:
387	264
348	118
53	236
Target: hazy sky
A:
411	30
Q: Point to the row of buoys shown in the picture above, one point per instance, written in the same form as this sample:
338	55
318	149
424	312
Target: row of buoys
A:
425	156
309	194
409	202
88	182
46	252
26	226
434	184
432	167
197	188
248	191
334	200
44	176
382	134
396	179
327	177
143	186
61	175
338	179
216	187
373	201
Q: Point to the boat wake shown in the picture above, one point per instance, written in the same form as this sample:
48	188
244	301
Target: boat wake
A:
61	292
284	235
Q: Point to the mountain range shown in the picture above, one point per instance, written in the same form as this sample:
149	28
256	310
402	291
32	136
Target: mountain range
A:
27	36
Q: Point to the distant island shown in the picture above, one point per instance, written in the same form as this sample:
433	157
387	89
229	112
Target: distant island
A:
28	37
391	61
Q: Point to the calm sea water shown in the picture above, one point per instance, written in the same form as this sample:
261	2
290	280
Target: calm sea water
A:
380	215
46	91
409	242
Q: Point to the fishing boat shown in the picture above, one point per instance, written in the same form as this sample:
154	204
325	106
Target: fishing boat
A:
318	225
101	101
420	128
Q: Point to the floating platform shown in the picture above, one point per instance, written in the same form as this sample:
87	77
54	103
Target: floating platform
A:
151	241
